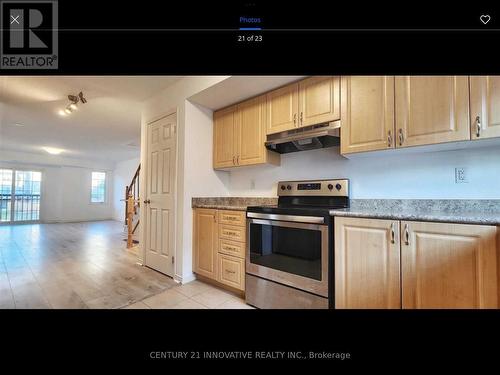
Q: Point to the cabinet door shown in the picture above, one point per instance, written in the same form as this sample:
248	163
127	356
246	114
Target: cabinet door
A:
447	266
231	271
367	114
432	109
319	100
205	242
224	138
485	106
251	131
367	255
282	108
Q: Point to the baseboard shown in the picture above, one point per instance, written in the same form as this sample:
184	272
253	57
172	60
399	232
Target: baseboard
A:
186	279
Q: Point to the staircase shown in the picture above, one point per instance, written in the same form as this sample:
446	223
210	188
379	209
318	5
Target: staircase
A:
132	209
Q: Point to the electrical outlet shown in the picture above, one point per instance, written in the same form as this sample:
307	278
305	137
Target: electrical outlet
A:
461	176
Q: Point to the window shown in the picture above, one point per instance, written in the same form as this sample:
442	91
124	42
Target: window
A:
19	195
98	192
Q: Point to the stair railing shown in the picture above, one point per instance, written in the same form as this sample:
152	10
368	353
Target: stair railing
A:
132	203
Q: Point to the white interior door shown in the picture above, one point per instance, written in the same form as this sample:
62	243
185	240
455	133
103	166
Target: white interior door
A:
160	194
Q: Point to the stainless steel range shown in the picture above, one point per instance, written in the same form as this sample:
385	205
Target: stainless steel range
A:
289	259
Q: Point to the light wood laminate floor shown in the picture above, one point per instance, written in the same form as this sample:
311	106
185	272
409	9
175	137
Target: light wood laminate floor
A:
87	265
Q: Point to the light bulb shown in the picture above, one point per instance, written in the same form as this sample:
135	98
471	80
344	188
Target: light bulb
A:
72	106
68	110
62	112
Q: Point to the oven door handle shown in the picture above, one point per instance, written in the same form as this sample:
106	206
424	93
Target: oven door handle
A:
292	218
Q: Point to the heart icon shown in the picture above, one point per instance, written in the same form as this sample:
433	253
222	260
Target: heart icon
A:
485	18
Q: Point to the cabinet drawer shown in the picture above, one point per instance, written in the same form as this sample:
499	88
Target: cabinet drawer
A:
236	249
232	233
231	271
232	217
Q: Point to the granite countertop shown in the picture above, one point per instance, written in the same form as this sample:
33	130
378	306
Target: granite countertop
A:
485	212
466	211
232	203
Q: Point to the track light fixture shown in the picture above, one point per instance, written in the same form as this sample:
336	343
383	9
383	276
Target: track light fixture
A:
73	105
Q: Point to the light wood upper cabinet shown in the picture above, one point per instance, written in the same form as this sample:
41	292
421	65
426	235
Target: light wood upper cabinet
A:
225	138
367	255
319	100
485	106
205	242
282	108
448	265
251	131
240	135
367	113
431	109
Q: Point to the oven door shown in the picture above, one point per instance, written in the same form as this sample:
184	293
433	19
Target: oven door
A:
290	253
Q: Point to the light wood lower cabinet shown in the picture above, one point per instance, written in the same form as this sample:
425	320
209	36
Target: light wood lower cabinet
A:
485	106
442	265
449	266
231	271
367	264
218	247
205	242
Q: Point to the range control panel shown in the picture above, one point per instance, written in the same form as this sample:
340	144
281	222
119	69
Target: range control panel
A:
338	188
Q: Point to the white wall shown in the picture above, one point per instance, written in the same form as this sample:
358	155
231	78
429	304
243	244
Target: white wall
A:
122	176
195	176
65	186
429	175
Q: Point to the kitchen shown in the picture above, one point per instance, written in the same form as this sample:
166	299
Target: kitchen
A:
404	143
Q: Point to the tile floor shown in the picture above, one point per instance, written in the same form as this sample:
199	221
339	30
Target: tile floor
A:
86	265
193	295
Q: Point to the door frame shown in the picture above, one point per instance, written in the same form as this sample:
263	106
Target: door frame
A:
24	169
145	183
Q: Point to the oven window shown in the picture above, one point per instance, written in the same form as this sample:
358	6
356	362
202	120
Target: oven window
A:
293	250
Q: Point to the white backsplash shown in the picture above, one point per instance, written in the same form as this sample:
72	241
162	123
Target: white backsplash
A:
429	175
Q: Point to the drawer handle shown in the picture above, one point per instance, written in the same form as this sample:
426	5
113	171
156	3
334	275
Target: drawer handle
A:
230	248
228	271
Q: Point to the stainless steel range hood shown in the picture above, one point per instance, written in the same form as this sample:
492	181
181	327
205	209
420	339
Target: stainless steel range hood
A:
306	138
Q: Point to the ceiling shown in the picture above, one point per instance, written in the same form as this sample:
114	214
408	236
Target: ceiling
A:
107	127
238	88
